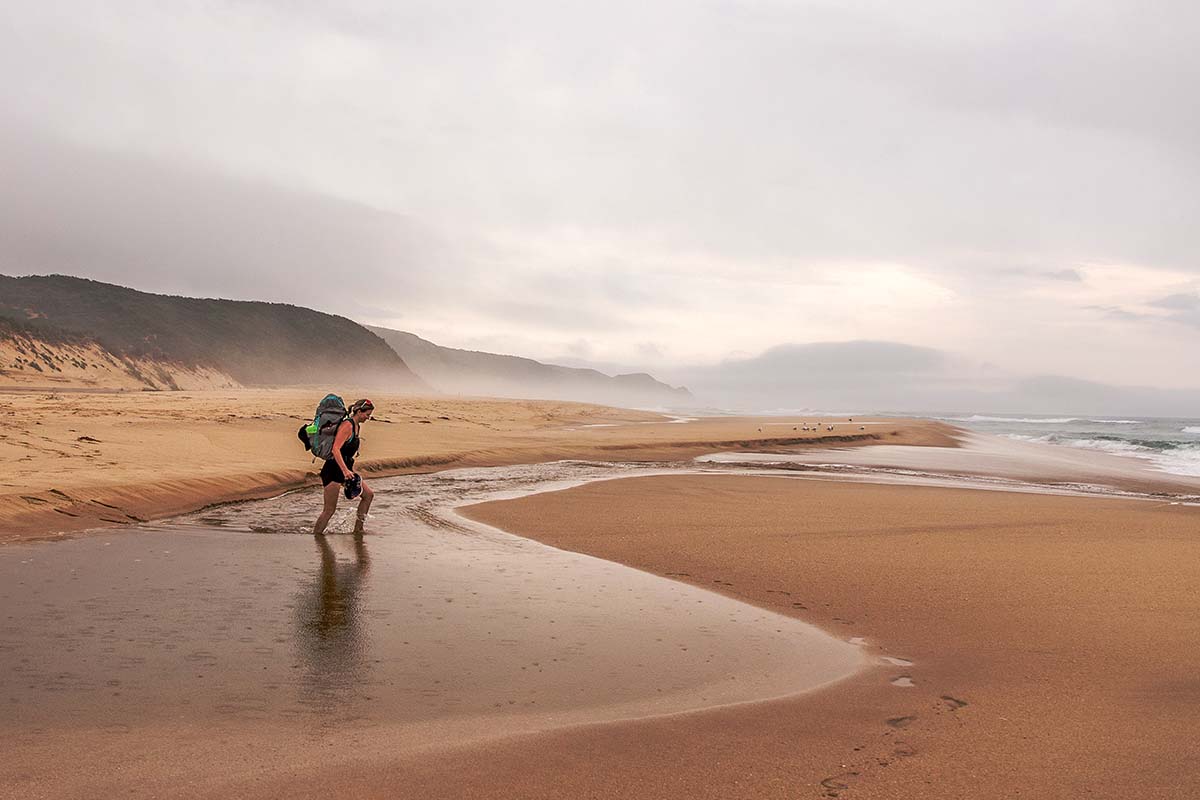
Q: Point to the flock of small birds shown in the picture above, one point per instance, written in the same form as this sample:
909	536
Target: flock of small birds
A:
816	426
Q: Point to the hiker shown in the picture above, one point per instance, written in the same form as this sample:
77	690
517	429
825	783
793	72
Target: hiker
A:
337	472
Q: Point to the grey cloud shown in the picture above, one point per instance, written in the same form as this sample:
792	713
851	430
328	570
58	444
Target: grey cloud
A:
557	314
753	129
1069	275
256	149
844	358
1184	301
1053	393
580	348
190	230
1186	309
827	374
1185	305
1121	314
894	377
1190	318
649	350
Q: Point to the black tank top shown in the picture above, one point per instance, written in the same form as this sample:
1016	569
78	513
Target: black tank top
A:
350	448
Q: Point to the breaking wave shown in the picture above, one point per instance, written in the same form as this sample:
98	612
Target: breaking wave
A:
1178	458
1042	420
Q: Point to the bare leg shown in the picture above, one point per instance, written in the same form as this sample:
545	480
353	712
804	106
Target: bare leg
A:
364	506
331	500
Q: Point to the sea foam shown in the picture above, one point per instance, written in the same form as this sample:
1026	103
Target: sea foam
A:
1043	420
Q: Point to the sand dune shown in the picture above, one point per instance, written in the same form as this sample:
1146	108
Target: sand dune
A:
28	361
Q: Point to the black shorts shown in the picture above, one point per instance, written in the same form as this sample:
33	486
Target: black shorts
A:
332	473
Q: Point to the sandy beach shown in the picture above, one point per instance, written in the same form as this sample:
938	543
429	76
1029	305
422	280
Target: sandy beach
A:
84	460
736	400
781	633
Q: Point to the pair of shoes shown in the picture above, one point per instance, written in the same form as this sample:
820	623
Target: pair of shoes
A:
353	487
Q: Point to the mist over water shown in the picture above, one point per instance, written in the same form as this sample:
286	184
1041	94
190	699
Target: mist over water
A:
1169	444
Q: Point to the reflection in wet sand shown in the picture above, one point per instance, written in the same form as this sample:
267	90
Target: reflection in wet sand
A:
330	635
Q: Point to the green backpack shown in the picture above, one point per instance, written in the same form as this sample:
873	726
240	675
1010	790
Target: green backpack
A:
318	435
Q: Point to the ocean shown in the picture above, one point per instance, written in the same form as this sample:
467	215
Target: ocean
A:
1170	444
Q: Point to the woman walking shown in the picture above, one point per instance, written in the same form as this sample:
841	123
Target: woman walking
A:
338	470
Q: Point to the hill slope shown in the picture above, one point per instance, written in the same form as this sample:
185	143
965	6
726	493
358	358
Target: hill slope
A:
475	373
253	343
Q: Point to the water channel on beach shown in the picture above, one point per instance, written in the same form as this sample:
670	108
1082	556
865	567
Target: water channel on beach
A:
221	628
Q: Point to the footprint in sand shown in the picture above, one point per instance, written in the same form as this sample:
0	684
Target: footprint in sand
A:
836	783
901	722
953	702
904	681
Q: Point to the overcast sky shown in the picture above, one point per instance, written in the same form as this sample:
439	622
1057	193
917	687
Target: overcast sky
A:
650	184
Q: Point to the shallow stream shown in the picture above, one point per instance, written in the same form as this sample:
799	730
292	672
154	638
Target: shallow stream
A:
238	619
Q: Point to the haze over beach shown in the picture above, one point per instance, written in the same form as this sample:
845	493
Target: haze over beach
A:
766	400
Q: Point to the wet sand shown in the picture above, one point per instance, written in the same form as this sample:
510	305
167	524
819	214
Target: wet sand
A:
215	653
1052	643
85	460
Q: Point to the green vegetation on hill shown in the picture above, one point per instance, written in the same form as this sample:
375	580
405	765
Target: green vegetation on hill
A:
255	343
51	334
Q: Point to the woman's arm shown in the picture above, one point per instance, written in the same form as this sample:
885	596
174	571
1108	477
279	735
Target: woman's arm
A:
343	434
